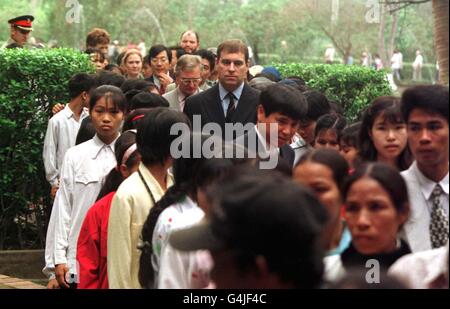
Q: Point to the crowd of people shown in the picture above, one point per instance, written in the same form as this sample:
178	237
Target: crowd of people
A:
129	212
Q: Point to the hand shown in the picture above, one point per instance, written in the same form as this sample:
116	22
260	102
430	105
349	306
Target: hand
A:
53	284
165	79
53	191
57	108
60	272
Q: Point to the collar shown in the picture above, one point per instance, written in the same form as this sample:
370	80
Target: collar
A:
152	182
263	141
351	258
98	145
69	113
237	92
427	185
182	97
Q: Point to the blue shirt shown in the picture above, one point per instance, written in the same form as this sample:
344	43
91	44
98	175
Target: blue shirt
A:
225	100
346	239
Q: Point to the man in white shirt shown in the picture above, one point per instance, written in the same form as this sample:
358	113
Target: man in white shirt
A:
82	175
188	77
396	64
63	127
425	110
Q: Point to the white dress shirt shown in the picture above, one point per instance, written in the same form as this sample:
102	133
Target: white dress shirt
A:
416	230
175	269
83	171
61	134
179	215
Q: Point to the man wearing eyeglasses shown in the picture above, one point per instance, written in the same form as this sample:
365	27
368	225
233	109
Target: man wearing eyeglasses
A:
188	78
231	100
21	28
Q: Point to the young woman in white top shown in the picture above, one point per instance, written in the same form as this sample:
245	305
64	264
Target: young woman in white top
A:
83	171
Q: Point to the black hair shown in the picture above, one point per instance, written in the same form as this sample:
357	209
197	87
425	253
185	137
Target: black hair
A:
147	100
89	51
389	107
109	78
111	66
86	131
133	118
146	60
334	122
111	93
336	108
184	169
153	136
350	135
262	213
388	177
120	57
208	55
331	159
157	49
80	83
211	171
136	84
297	79
269	76
285	100
431	98
318	104
180	52
115	178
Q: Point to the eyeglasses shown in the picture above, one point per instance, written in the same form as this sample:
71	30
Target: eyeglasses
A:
187	81
159	60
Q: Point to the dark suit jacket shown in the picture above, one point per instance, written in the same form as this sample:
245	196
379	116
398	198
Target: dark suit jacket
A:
287	154
208	105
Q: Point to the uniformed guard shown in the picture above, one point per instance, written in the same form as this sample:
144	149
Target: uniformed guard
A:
21	27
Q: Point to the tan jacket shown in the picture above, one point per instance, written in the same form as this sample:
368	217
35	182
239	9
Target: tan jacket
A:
129	210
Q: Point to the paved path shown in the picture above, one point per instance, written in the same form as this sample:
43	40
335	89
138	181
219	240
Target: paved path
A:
15	283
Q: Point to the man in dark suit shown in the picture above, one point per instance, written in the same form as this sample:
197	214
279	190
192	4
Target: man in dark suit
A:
279	113
231	100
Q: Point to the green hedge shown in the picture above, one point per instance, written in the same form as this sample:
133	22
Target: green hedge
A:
353	87
31	82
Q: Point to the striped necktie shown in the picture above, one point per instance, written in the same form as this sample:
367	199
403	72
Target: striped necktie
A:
439	220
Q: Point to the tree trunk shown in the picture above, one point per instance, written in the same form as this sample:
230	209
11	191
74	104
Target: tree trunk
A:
381	45
440	14
392	36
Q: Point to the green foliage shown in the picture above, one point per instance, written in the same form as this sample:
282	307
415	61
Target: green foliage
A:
353	87
31	82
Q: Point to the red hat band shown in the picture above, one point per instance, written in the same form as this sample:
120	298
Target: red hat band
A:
23	23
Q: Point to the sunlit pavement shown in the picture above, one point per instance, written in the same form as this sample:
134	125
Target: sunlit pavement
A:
15	283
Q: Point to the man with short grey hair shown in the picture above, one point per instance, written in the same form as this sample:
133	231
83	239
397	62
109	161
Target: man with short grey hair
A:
188	78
